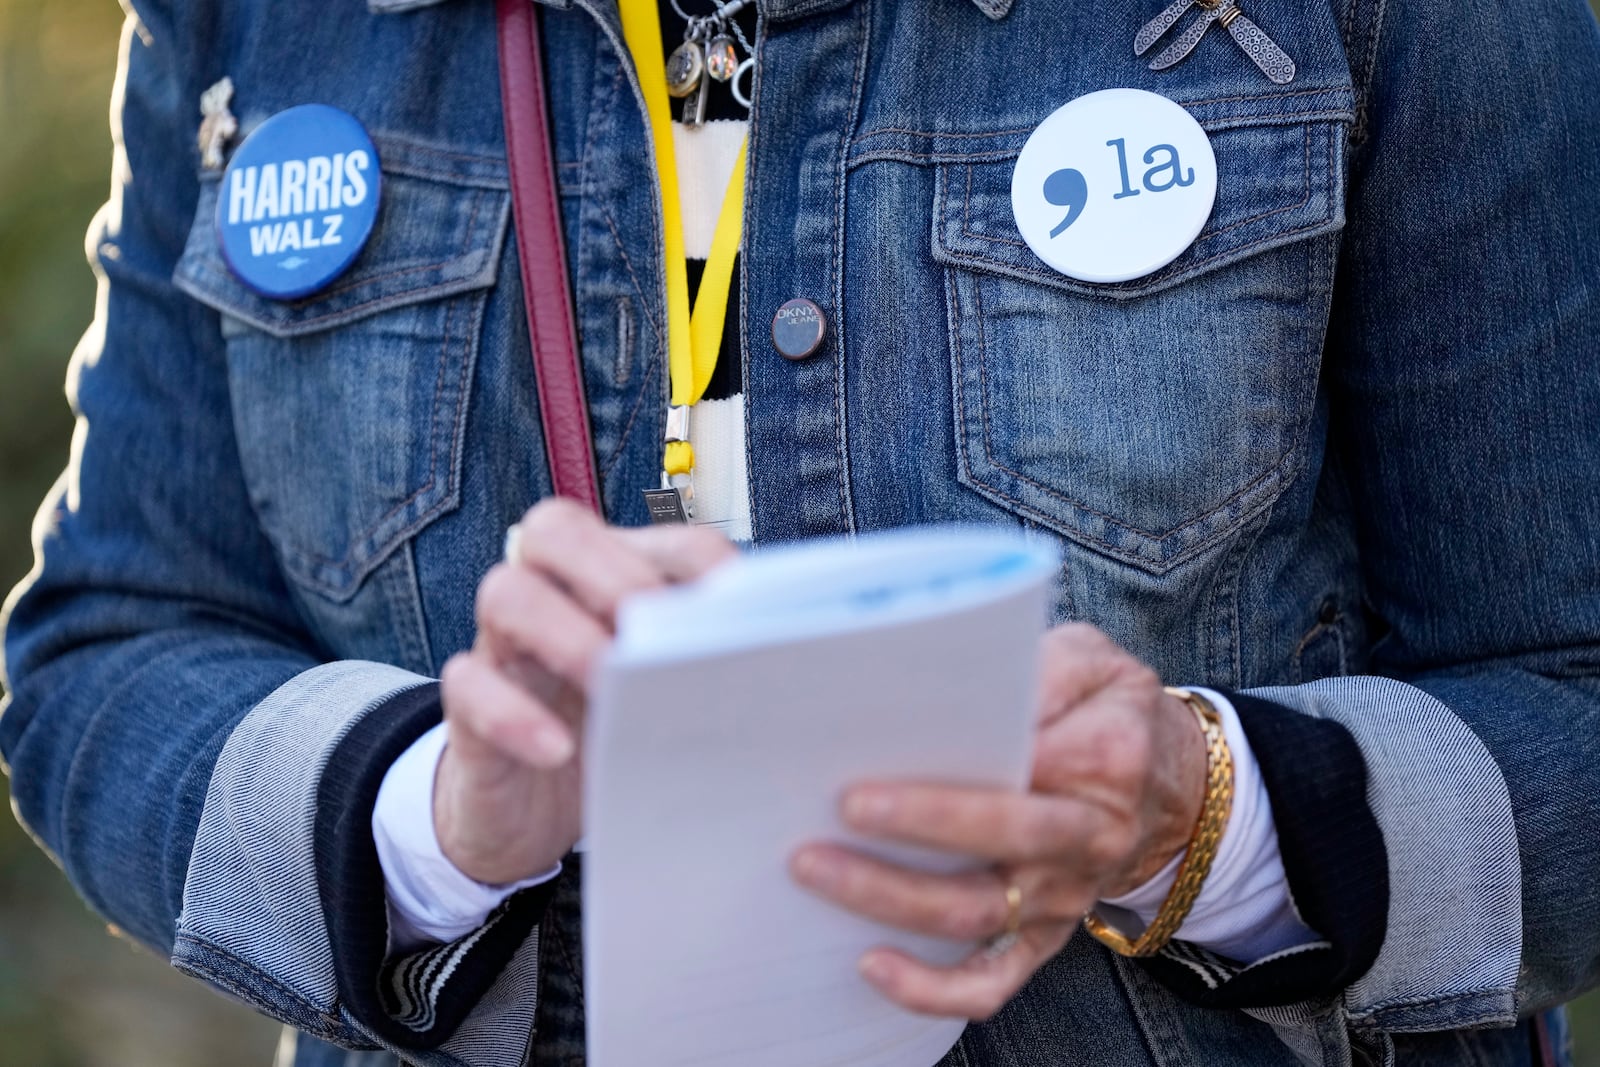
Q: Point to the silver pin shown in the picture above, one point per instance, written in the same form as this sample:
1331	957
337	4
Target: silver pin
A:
1152	30
217	124
1262	50
1179	50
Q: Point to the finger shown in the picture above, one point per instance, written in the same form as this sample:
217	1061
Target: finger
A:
484	708
976	988
681	552
1102	750
579	551
992	824
961	907
966	906
522	613
1075	660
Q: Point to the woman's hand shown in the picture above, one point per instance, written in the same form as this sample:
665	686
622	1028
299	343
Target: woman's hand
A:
506	796
1118	781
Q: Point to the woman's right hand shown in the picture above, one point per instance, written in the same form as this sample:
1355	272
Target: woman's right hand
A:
506	799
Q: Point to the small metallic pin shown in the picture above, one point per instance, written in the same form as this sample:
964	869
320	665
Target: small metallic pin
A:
217	124
1152	30
1262	50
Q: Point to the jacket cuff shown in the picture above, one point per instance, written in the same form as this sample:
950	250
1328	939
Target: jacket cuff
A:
416	999
1333	857
272	883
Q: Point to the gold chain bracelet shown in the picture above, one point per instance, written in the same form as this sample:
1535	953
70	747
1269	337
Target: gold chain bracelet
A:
1202	848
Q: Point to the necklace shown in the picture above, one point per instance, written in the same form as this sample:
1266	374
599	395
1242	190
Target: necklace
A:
709	52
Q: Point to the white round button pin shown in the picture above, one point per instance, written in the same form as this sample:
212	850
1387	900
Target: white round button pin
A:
1114	185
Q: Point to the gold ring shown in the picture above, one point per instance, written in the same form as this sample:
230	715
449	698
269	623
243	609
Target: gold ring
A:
1013	910
1007	939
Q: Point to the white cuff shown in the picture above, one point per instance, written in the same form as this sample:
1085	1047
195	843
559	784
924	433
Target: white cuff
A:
430	900
1244	911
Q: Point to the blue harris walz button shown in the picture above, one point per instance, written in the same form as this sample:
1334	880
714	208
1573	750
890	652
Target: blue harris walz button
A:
298	201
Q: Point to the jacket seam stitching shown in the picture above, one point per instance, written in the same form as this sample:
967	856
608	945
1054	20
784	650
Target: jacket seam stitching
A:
878	131
1366	1012
841	183
1274	471
356	283
1305	198
332	1024
433	461
976	260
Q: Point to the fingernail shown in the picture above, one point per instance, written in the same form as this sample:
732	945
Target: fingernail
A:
874	968
867	807
814	869
554	745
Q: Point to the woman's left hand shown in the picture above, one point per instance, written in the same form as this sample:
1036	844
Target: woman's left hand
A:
1118	781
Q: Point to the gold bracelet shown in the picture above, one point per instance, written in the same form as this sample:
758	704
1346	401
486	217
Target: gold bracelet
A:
1202	847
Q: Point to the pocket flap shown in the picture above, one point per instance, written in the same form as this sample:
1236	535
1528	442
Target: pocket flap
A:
1275	184
439	231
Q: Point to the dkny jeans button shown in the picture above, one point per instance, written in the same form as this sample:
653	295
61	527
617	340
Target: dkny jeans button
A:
798	328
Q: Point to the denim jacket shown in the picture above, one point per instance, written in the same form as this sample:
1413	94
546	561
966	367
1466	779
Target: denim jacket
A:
1339	457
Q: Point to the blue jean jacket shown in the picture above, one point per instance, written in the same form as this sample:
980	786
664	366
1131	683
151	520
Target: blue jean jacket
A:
1341	455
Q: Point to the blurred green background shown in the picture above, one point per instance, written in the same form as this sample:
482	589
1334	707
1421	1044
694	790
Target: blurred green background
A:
71	995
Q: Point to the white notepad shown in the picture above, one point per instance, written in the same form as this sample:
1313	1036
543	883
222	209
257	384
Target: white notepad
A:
723	729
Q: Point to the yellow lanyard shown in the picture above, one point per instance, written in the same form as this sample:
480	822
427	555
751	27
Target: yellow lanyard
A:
693	339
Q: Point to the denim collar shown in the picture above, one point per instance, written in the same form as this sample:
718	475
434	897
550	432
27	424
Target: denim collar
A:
780	9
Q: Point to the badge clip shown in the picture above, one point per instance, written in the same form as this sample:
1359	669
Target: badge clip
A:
673	502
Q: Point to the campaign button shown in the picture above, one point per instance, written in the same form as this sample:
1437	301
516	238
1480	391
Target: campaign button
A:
1114	185
298	201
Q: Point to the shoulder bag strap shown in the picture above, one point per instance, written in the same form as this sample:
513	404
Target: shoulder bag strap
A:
552	333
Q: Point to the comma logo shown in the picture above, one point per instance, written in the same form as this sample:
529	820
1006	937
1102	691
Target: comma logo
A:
1066	188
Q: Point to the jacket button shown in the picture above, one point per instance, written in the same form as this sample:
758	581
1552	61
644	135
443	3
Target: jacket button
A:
798	329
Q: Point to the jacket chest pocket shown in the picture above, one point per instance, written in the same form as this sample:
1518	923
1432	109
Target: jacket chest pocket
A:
350	405
1145	419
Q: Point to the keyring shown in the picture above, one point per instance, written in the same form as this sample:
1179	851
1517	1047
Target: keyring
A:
733	83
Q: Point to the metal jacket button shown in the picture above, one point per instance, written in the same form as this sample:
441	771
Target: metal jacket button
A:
798	329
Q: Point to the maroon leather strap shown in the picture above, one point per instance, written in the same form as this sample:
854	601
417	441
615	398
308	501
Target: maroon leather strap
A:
536	209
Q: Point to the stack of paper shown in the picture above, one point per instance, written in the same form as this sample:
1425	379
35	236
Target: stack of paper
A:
724	727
